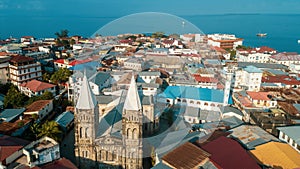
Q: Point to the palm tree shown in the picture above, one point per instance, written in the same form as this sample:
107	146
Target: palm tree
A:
35	129
50	129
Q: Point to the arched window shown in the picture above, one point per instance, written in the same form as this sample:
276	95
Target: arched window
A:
192	102
129	133
212	105
135	134
80	132
198	102
87	133
205	104
114	155
103	155
183	100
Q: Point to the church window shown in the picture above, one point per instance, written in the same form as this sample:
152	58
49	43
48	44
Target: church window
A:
81	132
135	134
114	155
87	133
128	133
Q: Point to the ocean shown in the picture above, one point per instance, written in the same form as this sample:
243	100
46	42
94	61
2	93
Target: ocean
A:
283	30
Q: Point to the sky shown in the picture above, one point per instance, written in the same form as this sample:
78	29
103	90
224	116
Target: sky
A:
116	8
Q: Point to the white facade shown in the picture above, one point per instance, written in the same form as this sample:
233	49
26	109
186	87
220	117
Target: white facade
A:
249	79
44	150
19	74
295	68
288	140
224	41
43	112
253	57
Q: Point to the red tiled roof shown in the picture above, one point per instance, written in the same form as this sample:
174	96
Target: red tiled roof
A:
218	49
286	56
36	86
61	61
264	49
37	105
245	101
125	41
280	79
27	37
170	42
20	59
201	79
9	145
74	62
259	95
228	153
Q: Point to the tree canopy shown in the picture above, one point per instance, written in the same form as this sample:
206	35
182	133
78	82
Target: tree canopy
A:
158	35
62	75
14	98
63	33
49	129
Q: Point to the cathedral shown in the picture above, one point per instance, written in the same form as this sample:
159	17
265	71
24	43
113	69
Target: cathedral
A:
109	130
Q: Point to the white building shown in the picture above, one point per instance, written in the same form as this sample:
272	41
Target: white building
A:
41	151
23	69
204	98
248	78
290	135
137	64
36	88
257	55
286	58
147	77
295	68
41	108
225	41
4	73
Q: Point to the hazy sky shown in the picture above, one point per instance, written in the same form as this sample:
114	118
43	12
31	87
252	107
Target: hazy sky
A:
107	8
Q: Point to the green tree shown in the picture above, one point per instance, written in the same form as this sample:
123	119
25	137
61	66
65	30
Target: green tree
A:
50	129
46	77
14	98
158	35
46	96
4	88
34	130
62	75
63	34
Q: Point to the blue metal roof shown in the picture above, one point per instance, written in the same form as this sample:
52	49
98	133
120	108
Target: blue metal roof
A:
10	114
297	106
65	119
252	69
92	64
194	93
292	131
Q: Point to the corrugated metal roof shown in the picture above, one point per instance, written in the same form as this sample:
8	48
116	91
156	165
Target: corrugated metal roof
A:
251	136
10	114
277	155
194	93
65	119
186	156
292	131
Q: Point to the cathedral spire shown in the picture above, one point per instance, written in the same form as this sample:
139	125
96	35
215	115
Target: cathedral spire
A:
86	98
132	101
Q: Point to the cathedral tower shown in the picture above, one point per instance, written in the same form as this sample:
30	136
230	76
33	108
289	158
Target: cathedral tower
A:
132	125
86	122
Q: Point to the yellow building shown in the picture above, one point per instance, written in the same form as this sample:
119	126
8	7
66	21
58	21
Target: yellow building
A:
277	155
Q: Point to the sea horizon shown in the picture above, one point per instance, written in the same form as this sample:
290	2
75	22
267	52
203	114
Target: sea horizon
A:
281	28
